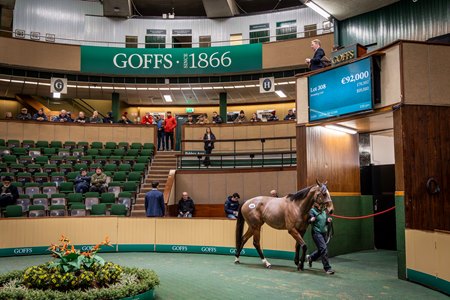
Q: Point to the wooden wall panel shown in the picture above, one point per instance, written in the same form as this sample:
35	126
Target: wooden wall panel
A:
29	131
119	134
217	187
77	133
62	133
398	148
91	134
14	132
426	154
329	156
46	132
136	230
106	134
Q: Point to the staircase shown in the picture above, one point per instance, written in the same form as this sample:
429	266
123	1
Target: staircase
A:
162	163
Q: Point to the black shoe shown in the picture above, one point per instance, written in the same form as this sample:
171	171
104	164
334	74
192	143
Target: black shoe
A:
308	258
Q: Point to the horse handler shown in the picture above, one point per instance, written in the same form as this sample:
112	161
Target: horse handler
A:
319	220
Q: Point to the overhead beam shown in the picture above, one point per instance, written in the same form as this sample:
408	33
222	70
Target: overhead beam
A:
220	8
117	8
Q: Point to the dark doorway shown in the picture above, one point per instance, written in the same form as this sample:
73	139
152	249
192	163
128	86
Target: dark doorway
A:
181	119
182	41
379	181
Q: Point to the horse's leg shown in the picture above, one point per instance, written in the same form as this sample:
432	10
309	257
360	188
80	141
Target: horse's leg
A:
297	253
245	238
299	239
256	239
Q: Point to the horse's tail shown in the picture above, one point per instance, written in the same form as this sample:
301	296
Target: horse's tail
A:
239	229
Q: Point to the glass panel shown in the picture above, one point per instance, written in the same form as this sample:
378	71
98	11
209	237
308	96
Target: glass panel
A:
131	41
310	30
259	36
155	41
205	41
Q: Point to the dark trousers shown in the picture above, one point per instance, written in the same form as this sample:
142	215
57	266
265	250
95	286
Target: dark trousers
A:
7	199
169	136
82	188
322	251
207	161
161	140
98	188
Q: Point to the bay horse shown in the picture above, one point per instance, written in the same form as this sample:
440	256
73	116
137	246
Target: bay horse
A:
287	213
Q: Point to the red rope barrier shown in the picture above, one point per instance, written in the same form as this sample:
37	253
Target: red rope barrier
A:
364	217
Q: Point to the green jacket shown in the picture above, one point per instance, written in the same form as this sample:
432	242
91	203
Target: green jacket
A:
320	224
98	179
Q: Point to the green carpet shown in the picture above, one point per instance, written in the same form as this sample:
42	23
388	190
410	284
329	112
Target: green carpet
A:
361	275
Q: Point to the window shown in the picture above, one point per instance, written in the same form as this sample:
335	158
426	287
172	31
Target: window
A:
131	41
155	41
310	30
259	33
205	41
286	30
235	39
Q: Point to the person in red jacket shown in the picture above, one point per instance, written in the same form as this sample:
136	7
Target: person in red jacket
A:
147	119
169	128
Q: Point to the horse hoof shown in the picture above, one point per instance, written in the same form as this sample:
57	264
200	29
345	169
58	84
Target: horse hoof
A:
269	266
300	267
237	262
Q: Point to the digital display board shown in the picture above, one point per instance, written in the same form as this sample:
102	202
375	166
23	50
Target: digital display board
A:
340	91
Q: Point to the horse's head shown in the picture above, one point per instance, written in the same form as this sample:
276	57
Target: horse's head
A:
322	197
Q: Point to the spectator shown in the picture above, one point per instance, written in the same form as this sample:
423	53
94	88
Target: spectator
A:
8	115
69	115
161	135
209	138
98	181
62	117
154	202
169	128
315	62
147	119
274	193
23	115
40	116
241	118
95	119
216	119
202	120
255	118
190	120
81	118
109	118
124	119
186	206
290	115
232	206
82	182
272	117
8	193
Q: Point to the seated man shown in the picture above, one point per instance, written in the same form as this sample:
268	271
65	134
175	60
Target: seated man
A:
216	119
98	181
232	206
147	119
62	117
82	182
186	206
96	119
290	115
8	193
272	117
23	115
82	118
40	116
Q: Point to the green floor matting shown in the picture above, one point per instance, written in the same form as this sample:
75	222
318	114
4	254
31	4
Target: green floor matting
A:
361	275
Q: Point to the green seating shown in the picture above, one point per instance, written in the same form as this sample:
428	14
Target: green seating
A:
19	151
77	152
40	199
105	152
119	152
128	160
64	152
28	144
66	187
10	174
130	186
110	145
139	167
56	144
32	188
80	166
49	188
50	168
74	198
120	176
3	167
2	142
137	146
36	211
110	167
133	152
16	168
100	159
24	177
78	210
115	160
72	175
143	159
98	210
92	152
57	210
69	145
93	167
24	201
115	187
57	177
125	198
87	159
123	145
146	152
13	143
42	144
40	177
91	198
49	151
33	168
108	198
124	168
34	152
83	145
96	145
118	210
25	159
13	211
42	160
56	159
150	146
72	160
19	186
9	159
65	168
134	176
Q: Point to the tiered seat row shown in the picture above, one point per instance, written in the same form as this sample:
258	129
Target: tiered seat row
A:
42	170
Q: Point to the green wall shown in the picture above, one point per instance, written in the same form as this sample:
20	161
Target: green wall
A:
400	224
405	19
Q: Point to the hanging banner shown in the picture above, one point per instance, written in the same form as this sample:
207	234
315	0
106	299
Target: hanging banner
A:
178	61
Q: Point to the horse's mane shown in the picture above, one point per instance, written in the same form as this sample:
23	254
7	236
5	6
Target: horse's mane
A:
300	194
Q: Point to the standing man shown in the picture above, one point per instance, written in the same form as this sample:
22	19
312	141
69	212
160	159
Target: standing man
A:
169	129
232	206
315	62
319	219
154	202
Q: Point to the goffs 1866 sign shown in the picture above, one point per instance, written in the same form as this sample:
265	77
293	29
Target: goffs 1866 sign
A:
132	61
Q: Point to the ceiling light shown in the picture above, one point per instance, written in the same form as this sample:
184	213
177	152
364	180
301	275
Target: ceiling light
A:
217	87
30	82
341	128
107	87
291	82
249	85
163	89
280	94
168	98
317	9
44	83
239	86
283	83
207	88
141	89
197	88
56	95
16	81
5	80
185	88
174	88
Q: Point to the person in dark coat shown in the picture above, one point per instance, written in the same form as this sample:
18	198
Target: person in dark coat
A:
216	119
209	139
109	118
232	206
315	62
8	193
290	115
154	202
186	206
40	116
82	182
23	115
